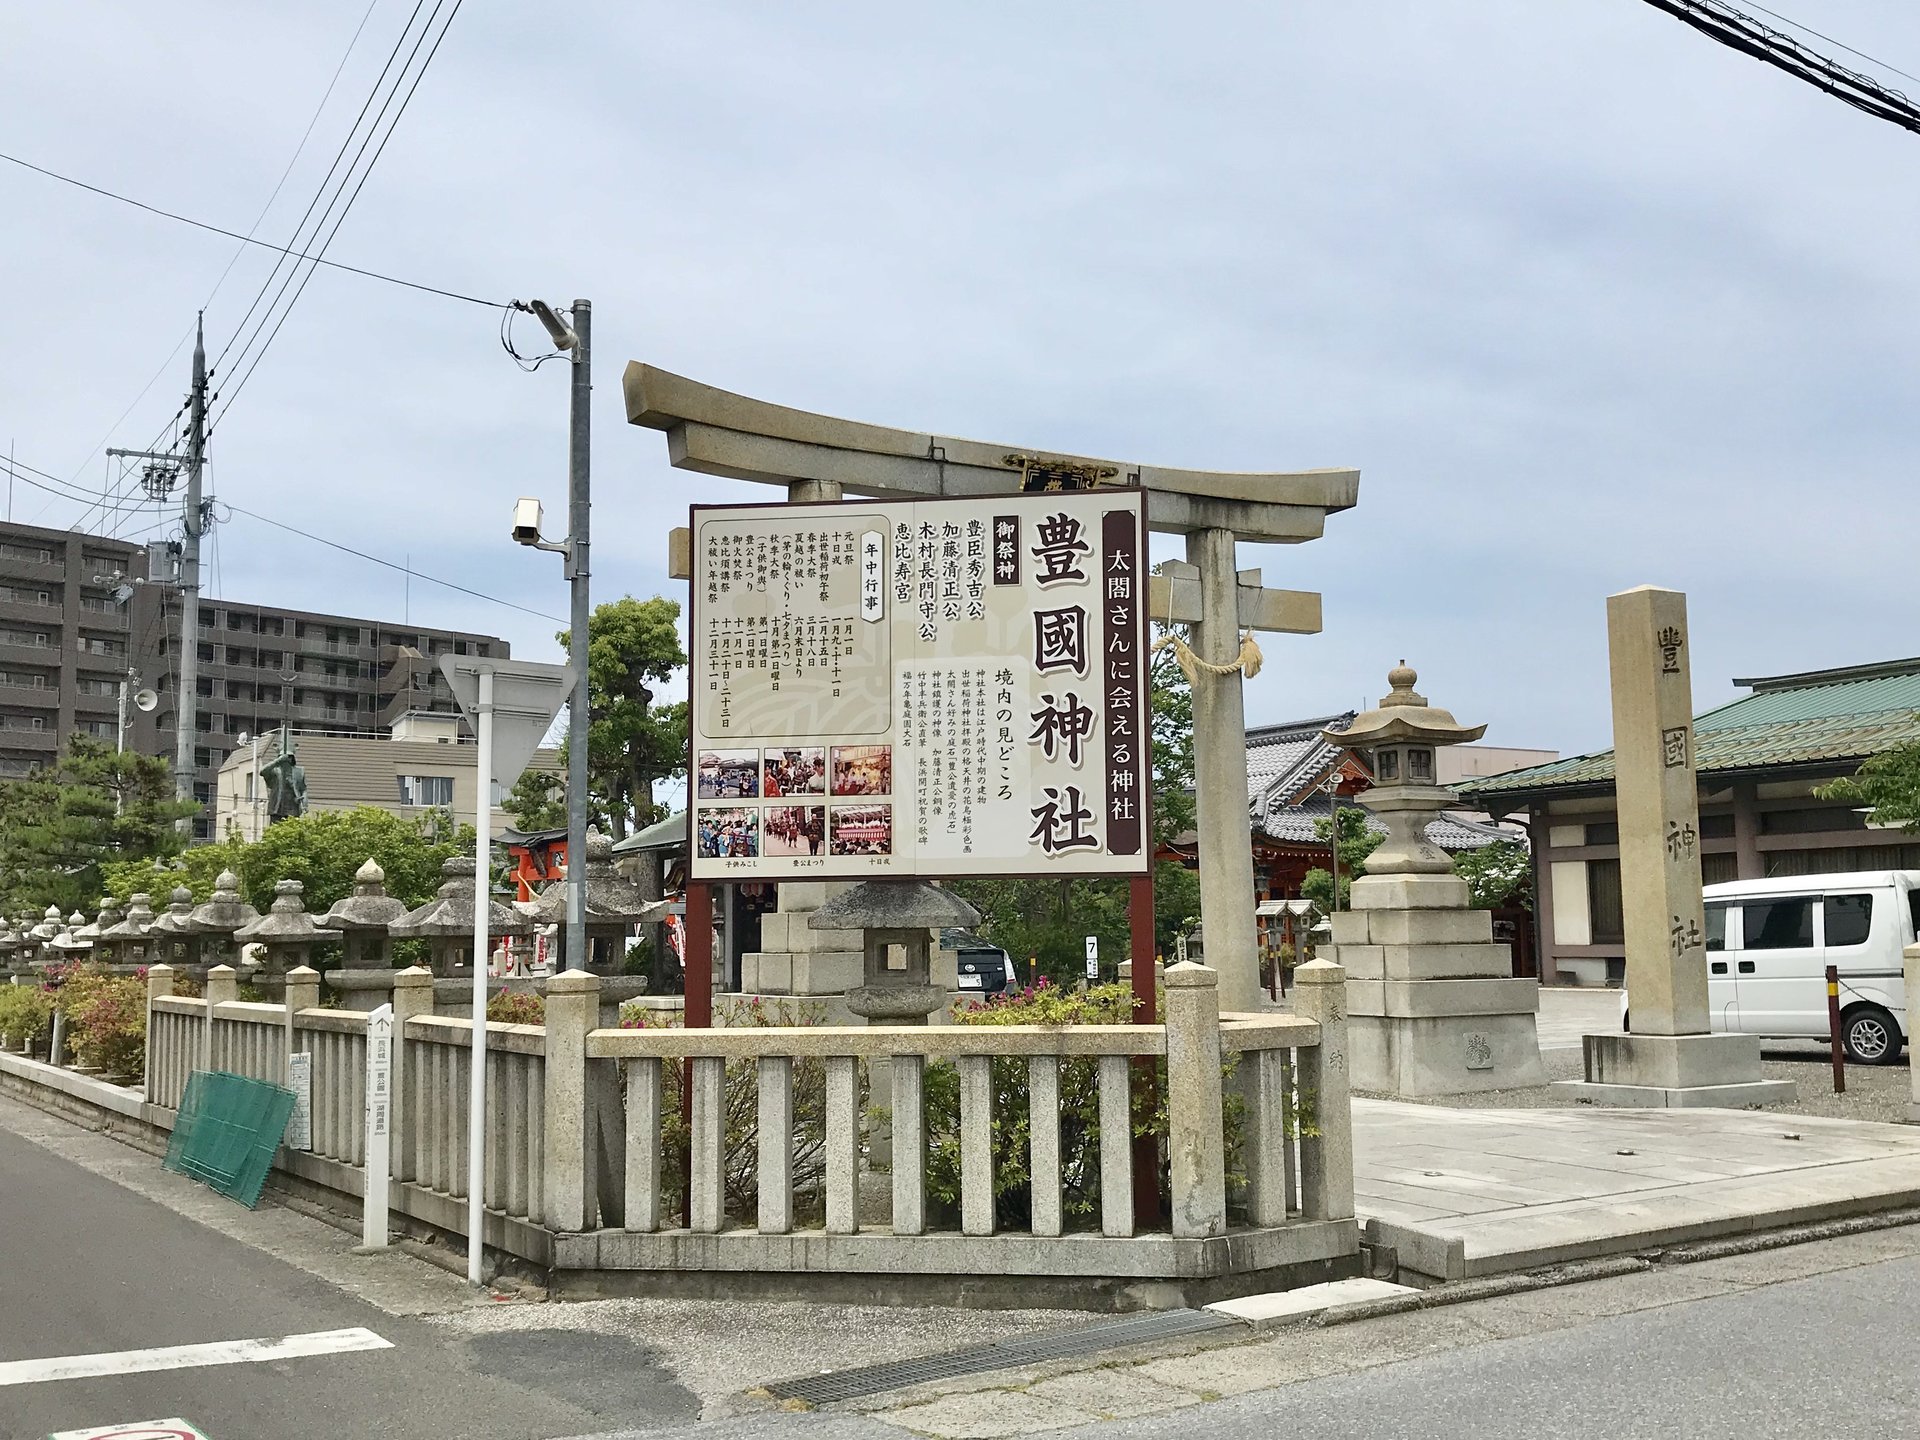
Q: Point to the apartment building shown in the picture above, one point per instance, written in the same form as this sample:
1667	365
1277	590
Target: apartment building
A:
66	643
262	667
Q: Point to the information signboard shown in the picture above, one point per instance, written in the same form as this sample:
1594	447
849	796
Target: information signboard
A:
920	688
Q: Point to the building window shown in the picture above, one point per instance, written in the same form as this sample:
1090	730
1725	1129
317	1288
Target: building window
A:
426	789
1718	869
1604	908
202	757
1606	832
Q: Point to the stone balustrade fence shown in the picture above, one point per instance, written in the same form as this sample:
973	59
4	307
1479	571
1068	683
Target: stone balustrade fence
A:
578	1157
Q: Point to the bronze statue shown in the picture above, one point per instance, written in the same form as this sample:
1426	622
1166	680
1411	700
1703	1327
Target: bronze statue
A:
286	783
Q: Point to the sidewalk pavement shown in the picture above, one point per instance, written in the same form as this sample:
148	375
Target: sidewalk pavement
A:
1464	1192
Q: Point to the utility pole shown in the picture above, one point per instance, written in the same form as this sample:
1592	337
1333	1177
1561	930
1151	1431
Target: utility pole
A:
579	503
187	704
575	339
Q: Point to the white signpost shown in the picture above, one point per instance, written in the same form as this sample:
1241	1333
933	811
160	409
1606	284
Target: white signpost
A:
920	688
379	1166
511	705
300	1081
1093	959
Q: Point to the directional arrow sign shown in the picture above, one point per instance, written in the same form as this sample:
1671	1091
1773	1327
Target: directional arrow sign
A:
526	697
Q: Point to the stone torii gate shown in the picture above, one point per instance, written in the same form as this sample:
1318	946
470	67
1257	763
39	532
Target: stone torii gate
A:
821	457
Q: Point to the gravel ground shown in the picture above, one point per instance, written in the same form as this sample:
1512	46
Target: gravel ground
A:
1874	1092
720	1349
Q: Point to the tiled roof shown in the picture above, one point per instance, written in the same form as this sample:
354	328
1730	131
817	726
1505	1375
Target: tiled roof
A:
1295	824
1282	759
1826	716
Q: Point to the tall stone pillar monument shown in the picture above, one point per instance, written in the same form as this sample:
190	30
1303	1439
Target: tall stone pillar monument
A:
1670	1059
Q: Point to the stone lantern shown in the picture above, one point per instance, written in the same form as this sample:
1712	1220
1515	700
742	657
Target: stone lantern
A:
895	912
446	921
108	916
171	935
69	944
362	919
129	937
216	922
614	906
1433	1005
287	933
9	945
43	933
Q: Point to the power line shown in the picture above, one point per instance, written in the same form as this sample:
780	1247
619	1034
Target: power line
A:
1895	69
234	259
54	486
1739	31
391	565
248	239
399	114
319	192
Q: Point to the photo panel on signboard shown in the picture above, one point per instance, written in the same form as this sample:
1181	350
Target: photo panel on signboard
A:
727	775
794	770
863	770
726	833
795	830
861	830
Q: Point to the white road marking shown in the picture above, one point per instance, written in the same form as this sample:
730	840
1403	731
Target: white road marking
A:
187	1357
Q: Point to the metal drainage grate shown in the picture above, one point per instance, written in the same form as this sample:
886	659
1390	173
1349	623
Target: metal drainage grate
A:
1000	1355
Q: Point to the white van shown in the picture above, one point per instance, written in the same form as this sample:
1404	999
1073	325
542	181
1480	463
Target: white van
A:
1769	943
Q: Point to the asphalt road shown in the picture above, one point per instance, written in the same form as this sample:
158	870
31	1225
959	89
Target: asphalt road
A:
87	1267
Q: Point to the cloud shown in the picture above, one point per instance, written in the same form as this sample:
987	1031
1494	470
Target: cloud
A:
1591	301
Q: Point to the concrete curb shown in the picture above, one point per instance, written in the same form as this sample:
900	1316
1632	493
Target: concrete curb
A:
1789	1235
1484	1289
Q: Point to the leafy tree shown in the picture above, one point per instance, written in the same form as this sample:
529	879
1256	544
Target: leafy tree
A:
94	807
321	850
1889	783
1172	703
633	647
538	801
1497	874
1356	843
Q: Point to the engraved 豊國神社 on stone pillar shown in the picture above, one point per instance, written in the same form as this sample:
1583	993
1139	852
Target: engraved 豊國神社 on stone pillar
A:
1433	1005
1670	1059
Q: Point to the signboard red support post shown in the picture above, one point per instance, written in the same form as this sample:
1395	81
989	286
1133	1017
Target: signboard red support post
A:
697	1013
1146	1149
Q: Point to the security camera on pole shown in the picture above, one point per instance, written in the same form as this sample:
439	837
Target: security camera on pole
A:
511	704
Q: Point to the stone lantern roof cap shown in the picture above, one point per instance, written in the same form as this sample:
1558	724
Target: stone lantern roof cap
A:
894	905
176	919
69	943
449	915
369	907
286	921
138	921
109	916
612	899
1404	716
226	912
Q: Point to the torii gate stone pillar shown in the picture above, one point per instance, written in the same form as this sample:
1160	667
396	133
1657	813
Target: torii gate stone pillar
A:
820	457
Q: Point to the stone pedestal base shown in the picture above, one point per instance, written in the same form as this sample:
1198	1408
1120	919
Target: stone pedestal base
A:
1433	1007
1419	1058
1675	1071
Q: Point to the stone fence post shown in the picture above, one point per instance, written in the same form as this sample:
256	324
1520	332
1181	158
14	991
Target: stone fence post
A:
1196	1141
223	985
302	993
159	982
573	1010
412	995
1326	1161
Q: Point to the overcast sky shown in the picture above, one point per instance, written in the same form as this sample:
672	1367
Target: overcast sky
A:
1589	300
